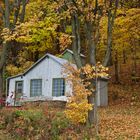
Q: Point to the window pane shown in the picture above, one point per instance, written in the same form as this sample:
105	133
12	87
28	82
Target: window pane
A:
58	87
19	86
36	87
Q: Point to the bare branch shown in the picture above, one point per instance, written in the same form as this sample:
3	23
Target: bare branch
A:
16	14
23	10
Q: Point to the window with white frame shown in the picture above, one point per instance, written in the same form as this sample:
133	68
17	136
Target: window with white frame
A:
36	87
58	88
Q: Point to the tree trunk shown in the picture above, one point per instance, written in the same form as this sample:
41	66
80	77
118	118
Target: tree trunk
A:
108	56
17	10
135	59
1	83
116	68
22	15
76	40
111	19
91	44
6	20
7	14
2	63
76	51
92	99
124	57
91	113
5	45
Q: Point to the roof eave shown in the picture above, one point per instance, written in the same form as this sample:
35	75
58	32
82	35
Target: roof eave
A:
14	76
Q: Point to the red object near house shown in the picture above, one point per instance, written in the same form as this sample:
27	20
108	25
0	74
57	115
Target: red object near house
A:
2	102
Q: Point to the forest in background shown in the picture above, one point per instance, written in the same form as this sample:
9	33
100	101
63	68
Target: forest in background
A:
105	31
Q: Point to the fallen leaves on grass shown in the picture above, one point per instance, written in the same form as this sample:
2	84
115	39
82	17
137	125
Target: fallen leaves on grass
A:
120	122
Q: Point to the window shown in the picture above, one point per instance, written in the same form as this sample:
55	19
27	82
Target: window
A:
58	87
36	87
19	87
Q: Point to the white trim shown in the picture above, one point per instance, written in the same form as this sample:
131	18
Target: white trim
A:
15	76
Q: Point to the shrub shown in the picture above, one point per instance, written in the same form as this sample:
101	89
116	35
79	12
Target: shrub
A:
59	124
33	123
24	124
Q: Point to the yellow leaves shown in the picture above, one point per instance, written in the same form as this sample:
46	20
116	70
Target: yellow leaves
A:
133	12
64	40
22	62
68	29
77	113
12	70
92	72
6	34
77	107
126	29
39	29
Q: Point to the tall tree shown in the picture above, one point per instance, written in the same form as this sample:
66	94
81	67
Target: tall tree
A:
111	13
9	9
89	13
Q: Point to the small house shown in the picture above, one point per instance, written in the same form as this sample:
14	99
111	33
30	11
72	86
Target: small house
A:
44	80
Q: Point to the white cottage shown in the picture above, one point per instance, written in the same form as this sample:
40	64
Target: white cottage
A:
44	80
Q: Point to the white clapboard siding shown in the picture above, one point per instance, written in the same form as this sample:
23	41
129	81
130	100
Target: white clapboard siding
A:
47	69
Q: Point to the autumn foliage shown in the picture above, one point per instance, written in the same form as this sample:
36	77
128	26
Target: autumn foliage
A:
78	106
81	80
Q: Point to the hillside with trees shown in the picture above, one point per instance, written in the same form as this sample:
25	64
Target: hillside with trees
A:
106	32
